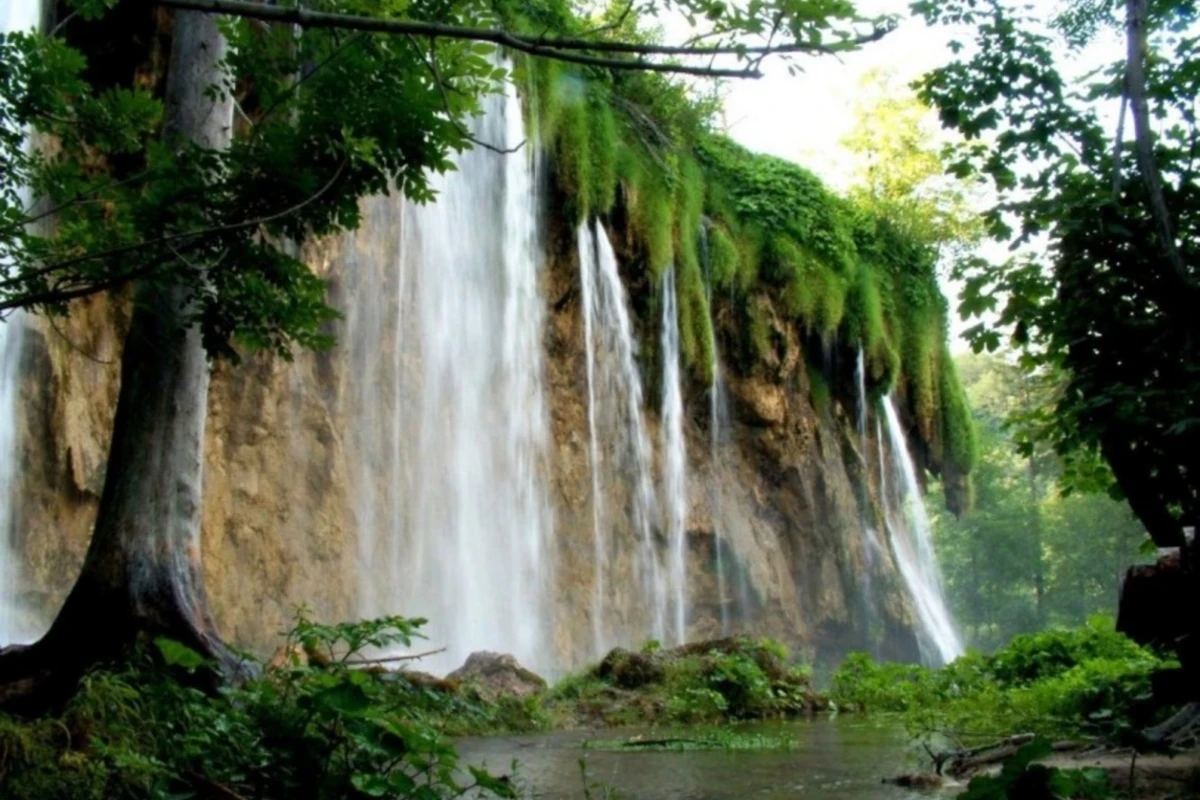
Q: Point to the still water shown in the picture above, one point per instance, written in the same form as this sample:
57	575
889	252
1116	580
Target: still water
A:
843	758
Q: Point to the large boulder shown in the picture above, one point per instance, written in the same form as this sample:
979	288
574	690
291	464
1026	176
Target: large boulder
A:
496	674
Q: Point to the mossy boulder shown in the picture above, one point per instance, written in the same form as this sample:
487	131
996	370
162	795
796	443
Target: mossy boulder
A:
627	669
493	675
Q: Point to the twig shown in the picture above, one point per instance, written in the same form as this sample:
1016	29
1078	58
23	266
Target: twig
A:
393	659
430	62
174	237
214	789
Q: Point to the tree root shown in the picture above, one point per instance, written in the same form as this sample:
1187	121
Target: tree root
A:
1180	731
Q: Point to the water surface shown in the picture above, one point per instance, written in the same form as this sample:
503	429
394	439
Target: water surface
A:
835	758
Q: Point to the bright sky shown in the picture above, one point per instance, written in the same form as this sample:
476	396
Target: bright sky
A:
804	118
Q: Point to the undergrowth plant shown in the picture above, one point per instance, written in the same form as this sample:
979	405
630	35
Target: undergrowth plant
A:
321	725
1056	683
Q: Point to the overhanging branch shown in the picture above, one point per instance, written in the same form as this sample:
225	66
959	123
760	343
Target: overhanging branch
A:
561	49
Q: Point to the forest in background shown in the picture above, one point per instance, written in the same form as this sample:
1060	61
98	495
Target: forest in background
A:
1032	554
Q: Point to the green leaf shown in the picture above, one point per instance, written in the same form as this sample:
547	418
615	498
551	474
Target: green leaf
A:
346	698
176	654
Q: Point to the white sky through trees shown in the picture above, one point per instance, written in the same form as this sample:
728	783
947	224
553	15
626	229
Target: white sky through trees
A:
805	118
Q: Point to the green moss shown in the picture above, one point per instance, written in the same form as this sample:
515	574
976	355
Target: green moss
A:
819	392
724	258
758	330
772	227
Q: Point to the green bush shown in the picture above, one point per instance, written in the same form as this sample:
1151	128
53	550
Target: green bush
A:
318	727
1054	683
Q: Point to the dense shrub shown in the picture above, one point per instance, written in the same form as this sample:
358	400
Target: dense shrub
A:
316	727
725	679
1055	682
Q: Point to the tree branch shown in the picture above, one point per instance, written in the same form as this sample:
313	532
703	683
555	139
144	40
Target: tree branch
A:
430	62
394	659
167	240
1135	87
557	48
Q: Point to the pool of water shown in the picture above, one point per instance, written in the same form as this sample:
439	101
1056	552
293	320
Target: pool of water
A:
835	758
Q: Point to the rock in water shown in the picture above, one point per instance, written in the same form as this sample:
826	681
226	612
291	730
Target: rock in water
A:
496	674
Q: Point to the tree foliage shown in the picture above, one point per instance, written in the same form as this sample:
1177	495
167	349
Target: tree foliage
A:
1028	556
1110	302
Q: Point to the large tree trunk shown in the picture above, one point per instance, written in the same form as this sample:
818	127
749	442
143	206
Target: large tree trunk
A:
142	570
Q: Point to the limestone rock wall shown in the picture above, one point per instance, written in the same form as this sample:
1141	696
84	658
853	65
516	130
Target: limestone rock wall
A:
789	492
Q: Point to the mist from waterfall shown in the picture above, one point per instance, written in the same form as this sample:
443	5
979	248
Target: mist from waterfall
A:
674	449
620	454
17	15
460	524
911	537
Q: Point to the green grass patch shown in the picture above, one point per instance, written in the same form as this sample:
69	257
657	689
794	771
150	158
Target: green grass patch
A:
701	739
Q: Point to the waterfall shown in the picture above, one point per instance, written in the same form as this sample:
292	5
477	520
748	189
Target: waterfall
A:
860	380
912	543
586	245
618	442
718	425
466	515
18	15
674	450
10	351
871	545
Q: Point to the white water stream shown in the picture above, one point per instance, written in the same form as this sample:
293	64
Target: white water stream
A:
911	538
461	505
674	450
619	449
872	548
15	15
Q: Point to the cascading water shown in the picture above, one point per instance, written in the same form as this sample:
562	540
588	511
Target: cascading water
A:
718	426
912	543
674	460
18	15
467	512
871	545
623	460
10	348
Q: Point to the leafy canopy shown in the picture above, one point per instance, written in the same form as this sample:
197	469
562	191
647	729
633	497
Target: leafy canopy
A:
1109	302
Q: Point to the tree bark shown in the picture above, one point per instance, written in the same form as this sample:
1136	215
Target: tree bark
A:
142	570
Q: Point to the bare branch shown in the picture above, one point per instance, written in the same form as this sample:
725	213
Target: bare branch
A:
394	659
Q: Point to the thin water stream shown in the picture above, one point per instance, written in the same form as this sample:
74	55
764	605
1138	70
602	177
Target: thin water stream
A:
834	759
15	15
675	461
620	448
911	537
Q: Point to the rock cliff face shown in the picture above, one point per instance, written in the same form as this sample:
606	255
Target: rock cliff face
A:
789	490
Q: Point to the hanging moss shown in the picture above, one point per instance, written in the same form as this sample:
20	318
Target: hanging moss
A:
602	152
758	330
724	258
653	218
961	448
772	229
